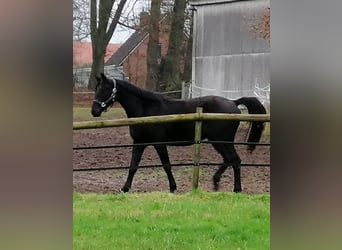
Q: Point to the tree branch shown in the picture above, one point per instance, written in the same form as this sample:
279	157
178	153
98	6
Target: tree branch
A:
105	8
115	21
127	26
93	20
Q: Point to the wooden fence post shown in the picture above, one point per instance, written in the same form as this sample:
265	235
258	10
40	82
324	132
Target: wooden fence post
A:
197	148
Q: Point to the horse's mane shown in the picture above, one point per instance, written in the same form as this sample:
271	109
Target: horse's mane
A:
142	93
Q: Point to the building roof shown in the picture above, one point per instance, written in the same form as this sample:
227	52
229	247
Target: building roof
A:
131	43
210	2
82	52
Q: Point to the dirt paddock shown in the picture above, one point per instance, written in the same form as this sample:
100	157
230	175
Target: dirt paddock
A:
255	180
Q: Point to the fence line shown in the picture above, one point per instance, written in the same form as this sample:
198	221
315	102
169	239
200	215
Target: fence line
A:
169	144
169	118
184	91
93	92
83	92
197	117
172	165
173	143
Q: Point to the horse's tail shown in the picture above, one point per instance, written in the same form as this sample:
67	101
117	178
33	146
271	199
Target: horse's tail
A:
254	106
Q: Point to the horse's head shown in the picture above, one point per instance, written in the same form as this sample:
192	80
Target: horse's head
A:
105	93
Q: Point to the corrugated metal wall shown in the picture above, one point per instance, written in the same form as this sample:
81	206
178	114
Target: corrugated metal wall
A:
228	58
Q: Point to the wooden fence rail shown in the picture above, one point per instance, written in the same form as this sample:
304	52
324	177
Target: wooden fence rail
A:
198	117
169	118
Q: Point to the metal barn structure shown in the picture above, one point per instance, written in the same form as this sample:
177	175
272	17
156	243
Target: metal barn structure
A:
229	59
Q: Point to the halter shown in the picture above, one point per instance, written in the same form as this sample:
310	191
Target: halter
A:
111	98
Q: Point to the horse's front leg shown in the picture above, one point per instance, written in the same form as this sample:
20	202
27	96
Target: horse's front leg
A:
136	157
164	158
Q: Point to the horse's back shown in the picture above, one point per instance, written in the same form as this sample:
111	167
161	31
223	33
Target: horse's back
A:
219	130
218	104
215	130
184	131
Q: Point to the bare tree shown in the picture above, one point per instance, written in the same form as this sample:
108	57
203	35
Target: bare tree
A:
170	68
81	19
261	28
102	27
259	25
153	47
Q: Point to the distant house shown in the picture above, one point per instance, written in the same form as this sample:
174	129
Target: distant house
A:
82	60
131	56
82	53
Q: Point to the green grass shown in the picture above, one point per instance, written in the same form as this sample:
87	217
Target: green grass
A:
83	114
197	220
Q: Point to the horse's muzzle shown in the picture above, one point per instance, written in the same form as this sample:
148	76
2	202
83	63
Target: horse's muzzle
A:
95	113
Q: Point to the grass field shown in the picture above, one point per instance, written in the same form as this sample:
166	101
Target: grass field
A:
197	220
83	114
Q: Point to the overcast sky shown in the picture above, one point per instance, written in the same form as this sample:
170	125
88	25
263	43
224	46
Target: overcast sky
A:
121	35
131	10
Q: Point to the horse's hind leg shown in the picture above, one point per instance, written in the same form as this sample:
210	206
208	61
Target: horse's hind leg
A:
164	158
136	157
230	157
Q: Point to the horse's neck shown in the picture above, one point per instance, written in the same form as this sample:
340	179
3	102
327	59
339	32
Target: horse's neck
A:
130	102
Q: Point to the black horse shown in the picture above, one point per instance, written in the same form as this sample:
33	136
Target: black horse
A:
138	102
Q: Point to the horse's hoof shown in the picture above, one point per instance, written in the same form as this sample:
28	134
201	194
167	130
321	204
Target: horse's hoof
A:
237	190
123	190
173	189
216	186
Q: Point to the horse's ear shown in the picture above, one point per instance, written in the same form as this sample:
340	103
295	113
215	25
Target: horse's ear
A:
98	78
103	76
